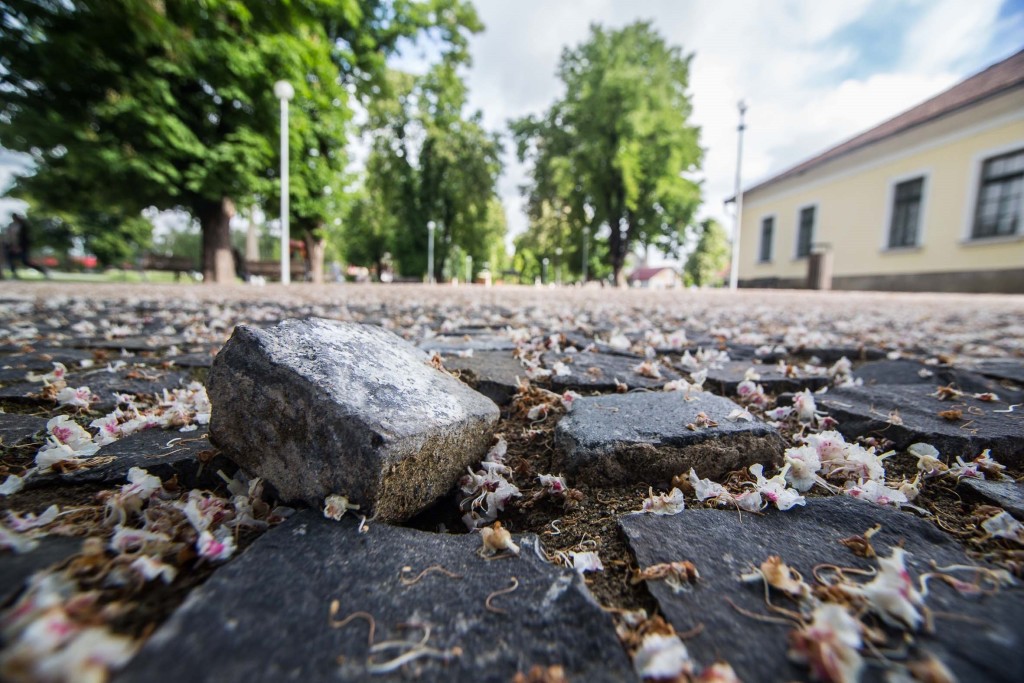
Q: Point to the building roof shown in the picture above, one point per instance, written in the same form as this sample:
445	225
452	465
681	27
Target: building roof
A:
995	80
644	273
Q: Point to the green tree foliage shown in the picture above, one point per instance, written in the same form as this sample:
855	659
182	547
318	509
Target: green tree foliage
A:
614	153
707	262
125	104
428	161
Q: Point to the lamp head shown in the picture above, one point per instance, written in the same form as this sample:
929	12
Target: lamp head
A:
283	90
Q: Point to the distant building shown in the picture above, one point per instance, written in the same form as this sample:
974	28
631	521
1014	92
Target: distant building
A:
930	200
646	277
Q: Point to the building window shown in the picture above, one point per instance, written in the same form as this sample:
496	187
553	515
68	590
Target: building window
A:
906	213
805	232
999	197
767	228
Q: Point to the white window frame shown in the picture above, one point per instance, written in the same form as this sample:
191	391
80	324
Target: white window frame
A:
760	236
977	164
926	174
814	229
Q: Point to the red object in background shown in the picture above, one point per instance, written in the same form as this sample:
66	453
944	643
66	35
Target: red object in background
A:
49	261
88	262
297	247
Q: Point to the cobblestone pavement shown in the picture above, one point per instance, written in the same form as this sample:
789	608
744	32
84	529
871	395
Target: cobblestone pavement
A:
681	485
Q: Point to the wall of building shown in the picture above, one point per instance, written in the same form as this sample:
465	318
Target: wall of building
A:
853	196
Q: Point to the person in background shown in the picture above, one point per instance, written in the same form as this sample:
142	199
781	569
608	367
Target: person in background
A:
17	243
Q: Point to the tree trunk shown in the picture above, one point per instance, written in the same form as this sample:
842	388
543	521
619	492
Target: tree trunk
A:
315	250
616	252
215	221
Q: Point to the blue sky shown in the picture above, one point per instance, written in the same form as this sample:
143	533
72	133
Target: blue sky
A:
813	72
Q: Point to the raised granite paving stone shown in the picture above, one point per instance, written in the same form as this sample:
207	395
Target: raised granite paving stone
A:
599	372
906	414
165	453
907	371
320	408
493	373
727	378
450	344
17	568
1005	493
644	438
17	429
103	384
187	360
266	616
583	342
747	353
978	638
151	343
830	354
1012	370
42	359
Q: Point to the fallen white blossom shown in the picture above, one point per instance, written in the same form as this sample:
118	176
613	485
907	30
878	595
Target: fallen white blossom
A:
336	505
1003	525
671	503
662	657
829	645
586	562
774	490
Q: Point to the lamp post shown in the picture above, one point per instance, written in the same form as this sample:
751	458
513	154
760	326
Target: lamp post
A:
558	266
544	271
430	251
469	269
586	246
734	269
284	91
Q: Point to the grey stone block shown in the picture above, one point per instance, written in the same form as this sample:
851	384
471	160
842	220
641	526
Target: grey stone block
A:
492	373
265	616
17	429
865	411
16	569
978	638
163	453
599	371
1007	494
728	377
319	408
643	437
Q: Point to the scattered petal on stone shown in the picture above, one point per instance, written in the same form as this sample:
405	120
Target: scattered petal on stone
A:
671	503
662	657
335	506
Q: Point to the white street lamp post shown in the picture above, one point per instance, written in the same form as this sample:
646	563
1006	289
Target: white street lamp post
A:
734	270
469	269
284	91
558	266
430	251
544	274
586	246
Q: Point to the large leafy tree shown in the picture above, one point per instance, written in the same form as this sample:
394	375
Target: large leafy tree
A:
616	153
134	103
429	161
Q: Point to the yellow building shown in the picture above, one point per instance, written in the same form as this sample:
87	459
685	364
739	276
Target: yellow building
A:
930	200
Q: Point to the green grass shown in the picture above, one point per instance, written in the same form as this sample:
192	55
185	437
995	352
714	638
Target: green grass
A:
111	275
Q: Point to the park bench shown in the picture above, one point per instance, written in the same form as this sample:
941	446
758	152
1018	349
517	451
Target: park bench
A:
174	264
272	269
